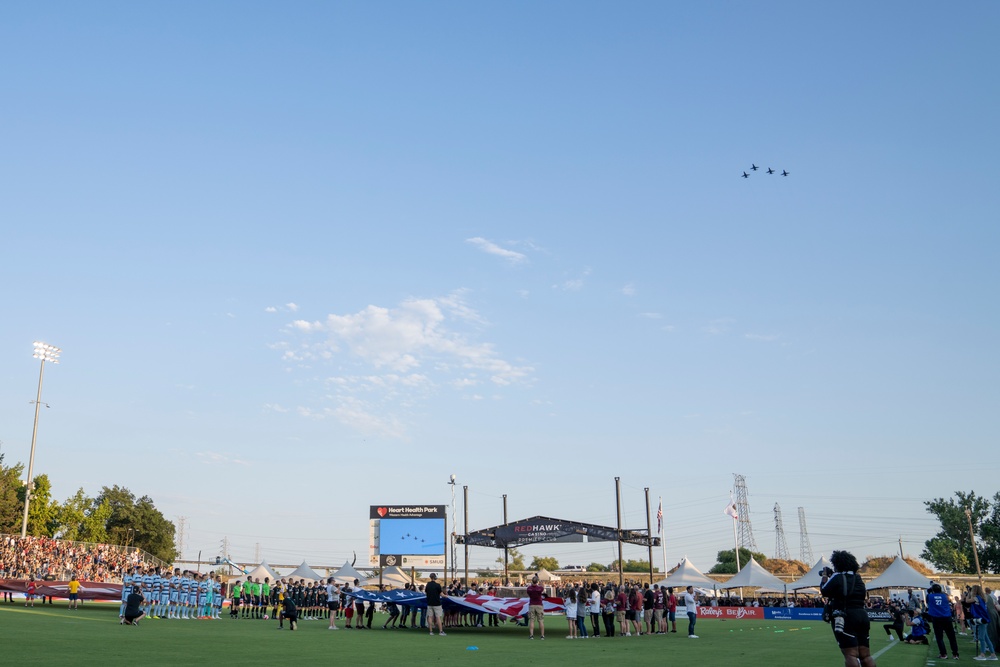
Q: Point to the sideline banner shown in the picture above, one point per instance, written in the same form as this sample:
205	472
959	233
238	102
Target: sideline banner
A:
779	613
755	613
89	590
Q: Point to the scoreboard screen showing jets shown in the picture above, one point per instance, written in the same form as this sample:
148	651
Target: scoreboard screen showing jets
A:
409	534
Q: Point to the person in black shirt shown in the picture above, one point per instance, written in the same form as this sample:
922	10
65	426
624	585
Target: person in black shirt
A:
897	621
434	609
289	611
133	612
846	592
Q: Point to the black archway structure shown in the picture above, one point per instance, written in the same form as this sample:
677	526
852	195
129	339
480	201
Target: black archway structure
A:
536	529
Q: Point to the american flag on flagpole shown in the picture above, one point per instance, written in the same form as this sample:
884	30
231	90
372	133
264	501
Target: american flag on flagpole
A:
659	518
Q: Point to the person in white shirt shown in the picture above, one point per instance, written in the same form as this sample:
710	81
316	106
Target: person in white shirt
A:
333	601
691	607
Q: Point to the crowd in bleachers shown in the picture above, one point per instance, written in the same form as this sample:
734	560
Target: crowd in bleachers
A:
50	559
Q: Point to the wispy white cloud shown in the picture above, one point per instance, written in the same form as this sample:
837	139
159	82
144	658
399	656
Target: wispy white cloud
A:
651	316
764	338
628	290
222	459
491	248
719	326
290	307
573	284
401	354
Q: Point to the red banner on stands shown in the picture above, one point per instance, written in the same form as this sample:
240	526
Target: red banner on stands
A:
89	590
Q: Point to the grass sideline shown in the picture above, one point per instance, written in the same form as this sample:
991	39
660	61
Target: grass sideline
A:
54	635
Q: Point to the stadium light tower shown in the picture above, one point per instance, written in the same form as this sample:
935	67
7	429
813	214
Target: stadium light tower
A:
45	352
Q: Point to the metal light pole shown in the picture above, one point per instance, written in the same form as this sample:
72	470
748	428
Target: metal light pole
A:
454	528
45	352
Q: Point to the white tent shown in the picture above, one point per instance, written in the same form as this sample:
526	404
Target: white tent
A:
545	575
263	570
686	575
347	574
304	572
753	575
812	578
899	575
393	576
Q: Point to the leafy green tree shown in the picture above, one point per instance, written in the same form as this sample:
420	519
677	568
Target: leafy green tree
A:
137	522
82	518
597	567
11	497
547	562
727	560
42	511
631	566
950	550
515	560
989	530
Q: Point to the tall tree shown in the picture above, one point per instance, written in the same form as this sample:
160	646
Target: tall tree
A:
547	562
515	560
727	560
42	510
137	522
11	497
950	550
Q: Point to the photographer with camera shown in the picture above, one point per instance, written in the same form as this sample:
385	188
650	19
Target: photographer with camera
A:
980	620
846	593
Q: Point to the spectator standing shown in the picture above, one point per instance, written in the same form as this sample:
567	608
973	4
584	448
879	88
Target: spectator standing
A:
939	611
435	611
691	607
536	608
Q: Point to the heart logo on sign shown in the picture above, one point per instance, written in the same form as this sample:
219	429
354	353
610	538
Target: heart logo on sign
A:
382	511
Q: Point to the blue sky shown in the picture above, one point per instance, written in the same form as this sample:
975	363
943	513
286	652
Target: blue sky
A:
303	258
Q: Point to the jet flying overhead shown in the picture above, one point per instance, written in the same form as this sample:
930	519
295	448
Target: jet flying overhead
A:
784	173
754	167
770	171
746	175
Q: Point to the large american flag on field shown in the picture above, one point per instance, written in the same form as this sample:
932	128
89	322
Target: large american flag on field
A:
488	604
506	607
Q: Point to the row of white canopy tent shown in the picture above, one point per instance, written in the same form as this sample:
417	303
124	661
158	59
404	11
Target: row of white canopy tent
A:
391	576
899	574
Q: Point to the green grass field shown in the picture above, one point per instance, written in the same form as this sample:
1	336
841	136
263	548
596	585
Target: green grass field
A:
53	635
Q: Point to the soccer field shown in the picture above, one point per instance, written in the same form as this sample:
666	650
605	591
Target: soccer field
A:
53	635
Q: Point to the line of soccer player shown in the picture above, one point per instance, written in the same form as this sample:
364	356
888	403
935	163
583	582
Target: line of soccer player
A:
252	598
182	595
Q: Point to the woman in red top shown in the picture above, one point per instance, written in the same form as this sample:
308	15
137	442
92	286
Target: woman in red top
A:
30	594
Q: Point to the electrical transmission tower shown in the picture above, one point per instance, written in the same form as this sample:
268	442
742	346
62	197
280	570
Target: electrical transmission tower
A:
225	547
746	539
256	552
780	545
805	549
181	534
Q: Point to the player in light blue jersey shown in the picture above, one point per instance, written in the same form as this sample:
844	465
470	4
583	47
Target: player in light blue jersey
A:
186	595
203	590
217	597
147	591
164	607
156	585
175	584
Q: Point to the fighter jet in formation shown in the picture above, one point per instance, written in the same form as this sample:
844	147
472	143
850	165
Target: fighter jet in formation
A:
754	167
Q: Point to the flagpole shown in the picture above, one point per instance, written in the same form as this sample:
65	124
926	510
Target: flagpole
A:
663	543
